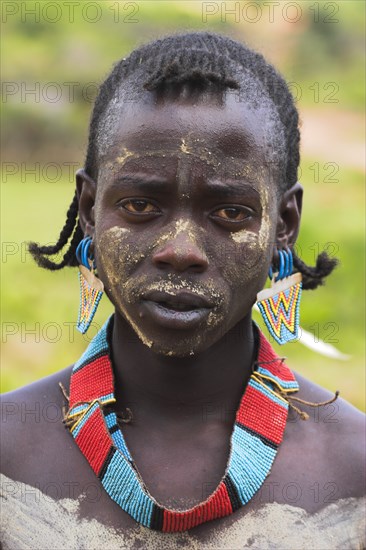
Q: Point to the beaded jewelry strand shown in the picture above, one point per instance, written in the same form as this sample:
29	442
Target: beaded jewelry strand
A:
258	431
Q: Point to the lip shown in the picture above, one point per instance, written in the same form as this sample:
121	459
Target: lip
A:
190	311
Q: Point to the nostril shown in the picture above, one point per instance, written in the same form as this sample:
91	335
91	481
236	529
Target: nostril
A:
197	268
162	265
190	259
178	266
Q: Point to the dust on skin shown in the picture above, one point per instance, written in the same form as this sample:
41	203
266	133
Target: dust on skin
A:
214	317
121	283
261	241
189	146
123	280
173	287
196	147
252	239
125	154
122	276
33	520
180	226
184	147
115	235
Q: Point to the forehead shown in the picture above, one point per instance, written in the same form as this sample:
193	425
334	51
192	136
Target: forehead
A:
240	124
229	128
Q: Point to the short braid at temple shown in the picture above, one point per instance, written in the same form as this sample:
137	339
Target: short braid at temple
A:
198	59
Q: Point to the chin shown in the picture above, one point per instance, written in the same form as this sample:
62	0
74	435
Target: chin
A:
187	347
178	354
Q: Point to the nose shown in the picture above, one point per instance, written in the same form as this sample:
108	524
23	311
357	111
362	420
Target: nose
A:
180	254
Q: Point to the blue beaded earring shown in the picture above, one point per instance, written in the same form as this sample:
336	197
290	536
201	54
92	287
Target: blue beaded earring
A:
280	304
91	288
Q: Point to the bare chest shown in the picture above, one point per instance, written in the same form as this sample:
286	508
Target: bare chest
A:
180	470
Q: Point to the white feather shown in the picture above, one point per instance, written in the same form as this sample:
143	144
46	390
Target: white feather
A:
319	346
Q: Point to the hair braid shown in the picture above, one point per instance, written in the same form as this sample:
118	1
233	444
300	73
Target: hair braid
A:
40	253
312	277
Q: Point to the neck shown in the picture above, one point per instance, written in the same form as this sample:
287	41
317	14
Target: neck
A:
211	382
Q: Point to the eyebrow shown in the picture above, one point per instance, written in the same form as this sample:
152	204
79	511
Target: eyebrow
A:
153	184
141	182
230	187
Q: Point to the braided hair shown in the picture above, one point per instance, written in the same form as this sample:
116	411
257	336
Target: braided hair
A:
198	59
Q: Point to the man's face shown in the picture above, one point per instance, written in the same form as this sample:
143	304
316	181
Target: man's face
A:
185	219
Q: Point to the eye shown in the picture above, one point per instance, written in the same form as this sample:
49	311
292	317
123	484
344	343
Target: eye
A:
139	206
233	214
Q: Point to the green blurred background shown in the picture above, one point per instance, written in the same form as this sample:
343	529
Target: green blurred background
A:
54	55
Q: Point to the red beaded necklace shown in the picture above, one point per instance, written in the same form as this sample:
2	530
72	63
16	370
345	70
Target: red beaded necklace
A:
258	431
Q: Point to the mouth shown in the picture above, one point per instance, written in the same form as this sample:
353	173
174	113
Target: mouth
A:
184	310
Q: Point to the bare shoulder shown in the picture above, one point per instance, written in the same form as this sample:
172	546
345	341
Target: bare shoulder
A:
332	440
339	414
41	389
28	416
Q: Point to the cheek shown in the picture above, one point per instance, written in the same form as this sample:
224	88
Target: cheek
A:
116	260
243	263
116	256
249	254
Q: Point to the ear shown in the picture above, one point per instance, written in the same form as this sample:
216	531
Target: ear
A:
86	192
289	215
